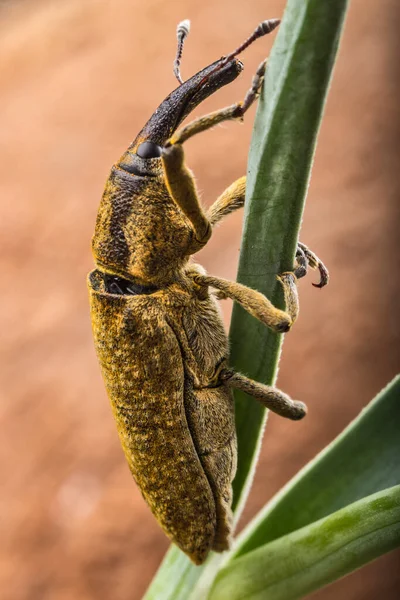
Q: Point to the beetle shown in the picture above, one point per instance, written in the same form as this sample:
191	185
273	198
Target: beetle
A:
158	332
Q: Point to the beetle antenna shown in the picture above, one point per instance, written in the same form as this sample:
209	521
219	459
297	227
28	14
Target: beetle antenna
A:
182	31
262	29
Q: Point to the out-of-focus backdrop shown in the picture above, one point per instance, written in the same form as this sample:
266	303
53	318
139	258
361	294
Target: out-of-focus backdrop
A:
78	80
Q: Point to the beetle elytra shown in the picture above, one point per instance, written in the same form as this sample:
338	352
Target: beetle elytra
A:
158	332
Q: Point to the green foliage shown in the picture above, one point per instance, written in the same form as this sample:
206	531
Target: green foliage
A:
340	512
363	460
280	160
309	558
325	533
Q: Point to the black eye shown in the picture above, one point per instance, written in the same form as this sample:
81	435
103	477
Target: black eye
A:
149	150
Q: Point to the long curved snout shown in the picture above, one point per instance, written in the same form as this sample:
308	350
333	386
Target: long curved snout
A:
173	110
184	99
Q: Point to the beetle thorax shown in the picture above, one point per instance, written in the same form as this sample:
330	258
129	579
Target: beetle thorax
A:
140	232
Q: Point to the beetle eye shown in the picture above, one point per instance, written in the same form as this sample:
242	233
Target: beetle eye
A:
149	150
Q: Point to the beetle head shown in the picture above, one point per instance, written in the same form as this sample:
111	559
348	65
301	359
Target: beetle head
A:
140	232
172	111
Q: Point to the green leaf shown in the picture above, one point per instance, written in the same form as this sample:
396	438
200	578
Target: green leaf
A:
282	148
363	459
306	560
175	578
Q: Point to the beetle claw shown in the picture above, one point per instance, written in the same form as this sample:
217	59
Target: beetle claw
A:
306	258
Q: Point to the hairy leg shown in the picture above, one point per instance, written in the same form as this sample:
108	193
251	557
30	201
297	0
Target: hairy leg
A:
182	187
179	178
256	303
230	200
270	397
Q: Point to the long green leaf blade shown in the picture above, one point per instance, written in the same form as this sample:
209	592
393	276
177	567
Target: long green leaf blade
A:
364	459
306	560
278	173
282	149
175	578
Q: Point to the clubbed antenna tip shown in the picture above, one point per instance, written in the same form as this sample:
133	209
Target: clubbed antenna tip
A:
268	26
182	31
262	29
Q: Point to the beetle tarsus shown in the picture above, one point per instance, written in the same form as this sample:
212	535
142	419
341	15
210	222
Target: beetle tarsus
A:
254	91
312	260
301	268
288	281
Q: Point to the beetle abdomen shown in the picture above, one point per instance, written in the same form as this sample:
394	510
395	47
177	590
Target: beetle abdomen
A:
211	421
210	410
143	370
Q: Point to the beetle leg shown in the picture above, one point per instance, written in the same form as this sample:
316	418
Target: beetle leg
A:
233	198
182	187
233	112
256	303
272	398
289	284
306	258
230	200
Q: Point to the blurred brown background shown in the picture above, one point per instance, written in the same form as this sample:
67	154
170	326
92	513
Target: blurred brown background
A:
78	80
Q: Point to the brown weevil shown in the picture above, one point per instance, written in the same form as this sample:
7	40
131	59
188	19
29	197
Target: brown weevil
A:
157	327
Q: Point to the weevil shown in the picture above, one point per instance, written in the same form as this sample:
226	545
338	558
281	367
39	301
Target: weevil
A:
158	332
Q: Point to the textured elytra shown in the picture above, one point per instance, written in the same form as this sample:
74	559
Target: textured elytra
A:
177	434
